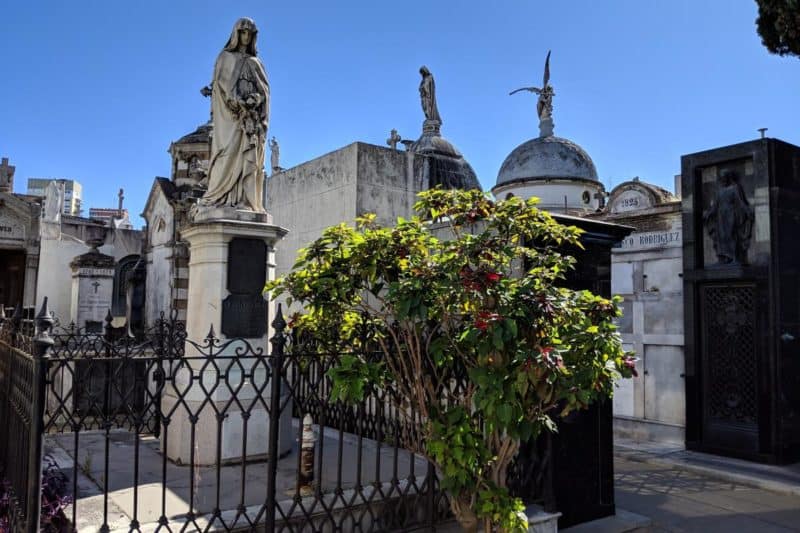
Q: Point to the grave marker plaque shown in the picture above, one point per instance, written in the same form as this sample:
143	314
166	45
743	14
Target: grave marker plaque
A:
244	311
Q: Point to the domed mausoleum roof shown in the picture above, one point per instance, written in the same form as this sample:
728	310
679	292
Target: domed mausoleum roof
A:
447	167
200	135
547	158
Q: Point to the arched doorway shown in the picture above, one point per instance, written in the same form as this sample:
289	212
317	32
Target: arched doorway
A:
12	277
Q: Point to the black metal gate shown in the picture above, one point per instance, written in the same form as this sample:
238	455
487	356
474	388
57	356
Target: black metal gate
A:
141	423
730	355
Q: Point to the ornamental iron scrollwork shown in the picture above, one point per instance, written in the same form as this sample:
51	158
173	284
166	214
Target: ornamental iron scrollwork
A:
731	356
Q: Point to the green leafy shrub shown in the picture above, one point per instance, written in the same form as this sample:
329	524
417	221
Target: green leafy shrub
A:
467	289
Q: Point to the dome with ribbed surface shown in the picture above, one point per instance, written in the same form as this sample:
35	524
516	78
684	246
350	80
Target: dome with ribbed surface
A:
547	158
200	135
448	168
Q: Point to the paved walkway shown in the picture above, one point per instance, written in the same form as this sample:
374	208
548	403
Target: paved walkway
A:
684	491
337	475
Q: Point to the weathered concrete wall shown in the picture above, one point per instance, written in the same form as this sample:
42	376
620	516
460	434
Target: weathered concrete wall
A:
55	275
122	243
337	187
54	279
388	182
310	197
158	288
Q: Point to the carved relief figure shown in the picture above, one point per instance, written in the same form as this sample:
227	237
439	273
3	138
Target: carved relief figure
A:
427	94
240	115
729	220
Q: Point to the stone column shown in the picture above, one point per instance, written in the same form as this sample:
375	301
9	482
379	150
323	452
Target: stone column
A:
231	257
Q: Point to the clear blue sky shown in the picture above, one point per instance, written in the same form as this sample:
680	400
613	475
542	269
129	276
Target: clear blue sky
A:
96	91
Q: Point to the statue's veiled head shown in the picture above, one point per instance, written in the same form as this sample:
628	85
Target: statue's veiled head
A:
243	27
728	177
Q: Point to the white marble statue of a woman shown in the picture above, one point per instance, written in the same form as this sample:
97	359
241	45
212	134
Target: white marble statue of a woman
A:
53	202
240	116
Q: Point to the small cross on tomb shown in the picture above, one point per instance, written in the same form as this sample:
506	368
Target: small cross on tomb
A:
393	139
6	175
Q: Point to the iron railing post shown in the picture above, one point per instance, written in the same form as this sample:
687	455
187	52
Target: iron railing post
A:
16	319
42	344
106	415
431	496
278	342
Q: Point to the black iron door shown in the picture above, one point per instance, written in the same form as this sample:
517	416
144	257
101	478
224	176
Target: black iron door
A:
12	277
730	354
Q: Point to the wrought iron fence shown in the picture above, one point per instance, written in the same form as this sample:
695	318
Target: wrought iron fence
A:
22	390
163	433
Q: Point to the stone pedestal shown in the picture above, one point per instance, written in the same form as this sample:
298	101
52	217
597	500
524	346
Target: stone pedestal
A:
92	289
231	257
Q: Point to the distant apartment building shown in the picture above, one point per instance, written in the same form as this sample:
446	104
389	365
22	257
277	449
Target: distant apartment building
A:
73	192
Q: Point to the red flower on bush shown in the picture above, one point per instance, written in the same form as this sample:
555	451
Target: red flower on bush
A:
630	363
493	277
485	318
469	279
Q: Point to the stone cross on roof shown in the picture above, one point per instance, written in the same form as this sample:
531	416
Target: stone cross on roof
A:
6	176
393	139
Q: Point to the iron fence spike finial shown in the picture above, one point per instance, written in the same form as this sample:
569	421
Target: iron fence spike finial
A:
211	334
279	323
44	320
109	317
45	310
17	312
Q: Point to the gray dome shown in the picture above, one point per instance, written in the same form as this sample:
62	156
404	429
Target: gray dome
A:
547	157
448	168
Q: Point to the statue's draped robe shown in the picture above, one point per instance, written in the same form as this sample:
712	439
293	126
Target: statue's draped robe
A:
236	170
730	222
53	202
427	93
